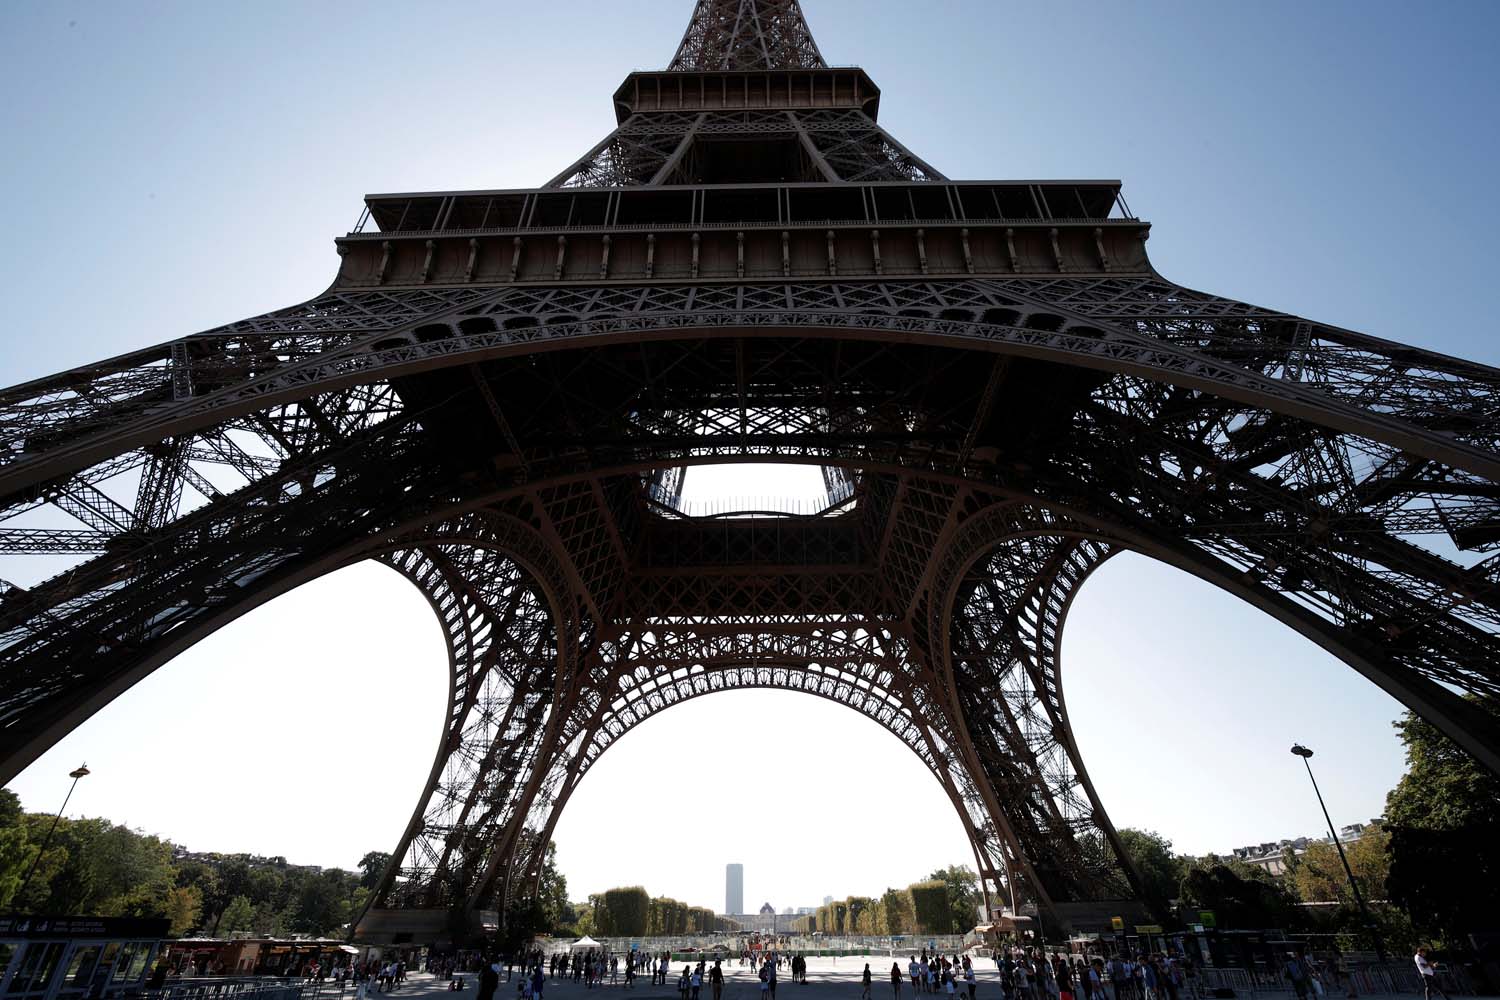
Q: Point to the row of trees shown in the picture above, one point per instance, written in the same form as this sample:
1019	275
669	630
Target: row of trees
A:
1419	868
947	902
1440	842
98	868
629	911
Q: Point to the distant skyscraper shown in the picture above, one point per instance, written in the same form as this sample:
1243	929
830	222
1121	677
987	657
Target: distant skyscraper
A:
734	889
827	900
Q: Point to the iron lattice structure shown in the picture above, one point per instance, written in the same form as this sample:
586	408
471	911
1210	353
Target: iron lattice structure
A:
501	391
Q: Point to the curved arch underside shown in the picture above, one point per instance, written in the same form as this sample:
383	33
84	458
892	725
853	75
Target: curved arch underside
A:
505	448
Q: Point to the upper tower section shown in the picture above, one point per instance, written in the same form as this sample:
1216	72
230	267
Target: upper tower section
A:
747	99
747	34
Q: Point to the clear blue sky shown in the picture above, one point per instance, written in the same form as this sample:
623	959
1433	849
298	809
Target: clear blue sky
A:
174	166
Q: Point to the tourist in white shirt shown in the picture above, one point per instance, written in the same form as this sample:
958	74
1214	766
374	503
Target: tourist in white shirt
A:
1429	974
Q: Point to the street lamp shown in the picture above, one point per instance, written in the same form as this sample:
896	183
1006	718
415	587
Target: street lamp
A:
80	771
1305	753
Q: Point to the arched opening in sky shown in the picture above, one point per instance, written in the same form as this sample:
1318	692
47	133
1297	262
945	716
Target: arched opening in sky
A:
304	729
813	798
1185	702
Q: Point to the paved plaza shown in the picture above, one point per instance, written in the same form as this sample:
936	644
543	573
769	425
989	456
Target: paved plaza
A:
827	979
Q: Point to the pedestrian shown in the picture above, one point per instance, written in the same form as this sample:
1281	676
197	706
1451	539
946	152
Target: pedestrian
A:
896	980
1429	975
1294	971
970	981
716	980
489	980
864	992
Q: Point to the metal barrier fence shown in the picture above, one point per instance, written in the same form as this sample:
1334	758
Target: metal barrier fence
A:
243	988
853	944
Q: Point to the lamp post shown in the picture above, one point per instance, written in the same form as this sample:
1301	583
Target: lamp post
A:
80	771
1364	911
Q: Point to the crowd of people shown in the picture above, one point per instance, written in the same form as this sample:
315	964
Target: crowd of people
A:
1030	974
1024	973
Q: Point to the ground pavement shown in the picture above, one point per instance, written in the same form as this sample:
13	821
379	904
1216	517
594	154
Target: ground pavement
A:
827	979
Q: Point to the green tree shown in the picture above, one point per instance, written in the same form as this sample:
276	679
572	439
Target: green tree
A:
184	908
372	866
1319	876
1241	896
16	850
584	925
896	910
109	871
322	903
1443	818
553	893
523	921
857	910
930	907
964	897
238	916
204	877
627	908
1161	871
268	919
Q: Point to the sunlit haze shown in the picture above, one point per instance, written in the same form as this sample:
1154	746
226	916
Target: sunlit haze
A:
174	166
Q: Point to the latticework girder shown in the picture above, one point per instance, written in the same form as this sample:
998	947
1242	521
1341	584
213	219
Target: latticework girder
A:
747	34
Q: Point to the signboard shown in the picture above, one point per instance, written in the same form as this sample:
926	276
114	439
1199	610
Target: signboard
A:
117	927
1118	923
1206	918
1148	928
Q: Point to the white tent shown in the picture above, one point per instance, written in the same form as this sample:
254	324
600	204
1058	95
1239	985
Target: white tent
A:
586	944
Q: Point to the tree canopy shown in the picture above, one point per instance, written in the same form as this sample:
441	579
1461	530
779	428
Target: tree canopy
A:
1443	820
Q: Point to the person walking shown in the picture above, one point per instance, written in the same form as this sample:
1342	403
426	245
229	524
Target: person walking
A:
969	981
1294	971
896	980
864	993
1429	975
716	980
489	980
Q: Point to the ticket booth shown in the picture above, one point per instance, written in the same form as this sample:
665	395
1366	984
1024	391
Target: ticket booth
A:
76	958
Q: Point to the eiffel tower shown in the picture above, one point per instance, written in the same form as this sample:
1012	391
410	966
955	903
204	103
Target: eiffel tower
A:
500	393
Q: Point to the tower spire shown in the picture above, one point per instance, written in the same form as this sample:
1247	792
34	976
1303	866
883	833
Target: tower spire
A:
747	34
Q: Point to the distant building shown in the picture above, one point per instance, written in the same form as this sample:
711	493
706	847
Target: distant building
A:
803	911
734	889
1272	855
827	900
